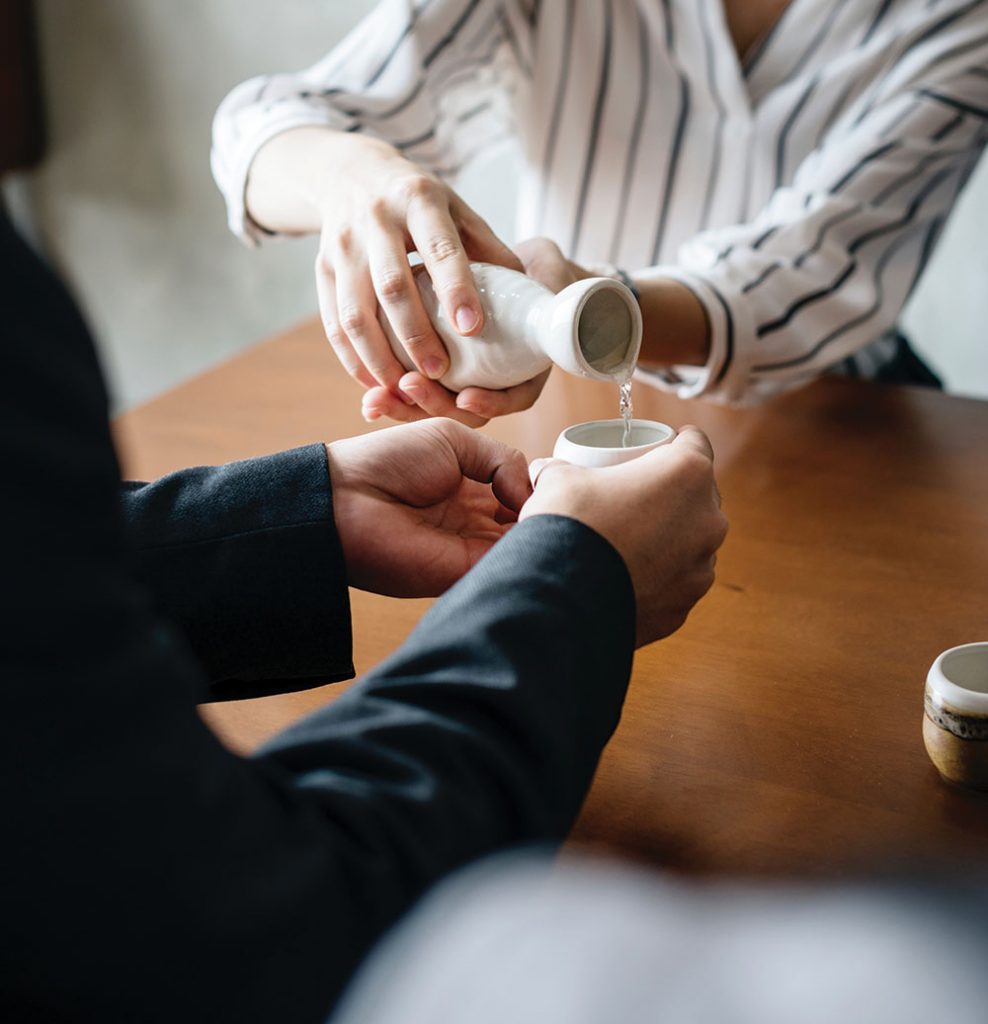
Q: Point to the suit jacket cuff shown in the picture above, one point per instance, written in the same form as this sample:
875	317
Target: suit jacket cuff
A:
245	560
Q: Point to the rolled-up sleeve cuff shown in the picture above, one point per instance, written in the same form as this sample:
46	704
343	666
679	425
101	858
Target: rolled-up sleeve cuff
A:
239	132
720	378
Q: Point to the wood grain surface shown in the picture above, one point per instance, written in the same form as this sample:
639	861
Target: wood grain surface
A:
779	732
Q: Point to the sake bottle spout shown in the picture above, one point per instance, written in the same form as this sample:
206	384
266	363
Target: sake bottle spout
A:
594	330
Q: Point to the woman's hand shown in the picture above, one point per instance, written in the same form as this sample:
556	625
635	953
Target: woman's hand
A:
417	506
378	208
372	208
542	260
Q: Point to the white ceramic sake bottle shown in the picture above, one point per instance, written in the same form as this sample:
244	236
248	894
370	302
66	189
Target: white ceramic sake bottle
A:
591	329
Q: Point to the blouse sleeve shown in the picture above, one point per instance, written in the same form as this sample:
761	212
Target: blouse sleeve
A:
828	264
435	79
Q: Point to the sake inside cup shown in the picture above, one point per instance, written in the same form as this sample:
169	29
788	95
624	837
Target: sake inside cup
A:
599	443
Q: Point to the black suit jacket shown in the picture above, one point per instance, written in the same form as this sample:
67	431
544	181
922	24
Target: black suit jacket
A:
147	873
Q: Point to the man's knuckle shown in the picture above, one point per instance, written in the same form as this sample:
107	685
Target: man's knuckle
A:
721	528
695	467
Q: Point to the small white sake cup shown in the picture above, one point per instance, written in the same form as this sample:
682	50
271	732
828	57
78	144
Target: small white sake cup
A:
955	720
598	443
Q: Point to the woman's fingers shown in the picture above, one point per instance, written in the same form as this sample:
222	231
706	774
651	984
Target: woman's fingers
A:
326	294
479	240
488	404
436	238
394	283
356	304
380	403
435	400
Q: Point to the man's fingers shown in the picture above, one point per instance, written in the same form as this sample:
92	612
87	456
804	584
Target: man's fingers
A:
538	468
326	295
490	461
500	403
693	437
437	241
505	516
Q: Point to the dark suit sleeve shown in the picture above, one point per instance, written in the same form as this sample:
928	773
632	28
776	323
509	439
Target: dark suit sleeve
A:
245	560
149	874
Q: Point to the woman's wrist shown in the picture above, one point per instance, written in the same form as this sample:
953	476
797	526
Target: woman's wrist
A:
676	328
291	179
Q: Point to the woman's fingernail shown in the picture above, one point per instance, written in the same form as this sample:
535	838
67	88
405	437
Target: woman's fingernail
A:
466	319
407	399
434	367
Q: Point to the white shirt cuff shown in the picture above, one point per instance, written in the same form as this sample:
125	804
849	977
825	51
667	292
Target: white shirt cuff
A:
692	381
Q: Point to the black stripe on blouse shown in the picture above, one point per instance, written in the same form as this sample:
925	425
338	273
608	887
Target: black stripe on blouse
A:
949	101
413	19
877	21
631	158
715	160
787	127
464	17
854	247
911	46
677	145
603	84
861	318
729	337
557	107
877	200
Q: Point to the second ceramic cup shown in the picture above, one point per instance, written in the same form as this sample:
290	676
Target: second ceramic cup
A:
598	443
955	723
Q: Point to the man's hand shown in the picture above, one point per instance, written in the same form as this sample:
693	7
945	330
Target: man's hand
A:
416	506
662	514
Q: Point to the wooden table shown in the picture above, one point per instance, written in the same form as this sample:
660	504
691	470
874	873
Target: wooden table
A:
779	731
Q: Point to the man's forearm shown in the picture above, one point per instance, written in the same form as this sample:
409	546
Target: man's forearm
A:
245	559
485	728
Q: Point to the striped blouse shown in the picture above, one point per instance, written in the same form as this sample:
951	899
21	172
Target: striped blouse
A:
799	193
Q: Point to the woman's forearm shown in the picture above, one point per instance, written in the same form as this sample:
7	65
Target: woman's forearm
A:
676	331
296	174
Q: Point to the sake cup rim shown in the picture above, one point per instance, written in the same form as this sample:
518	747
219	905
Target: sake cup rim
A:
662	428
951	694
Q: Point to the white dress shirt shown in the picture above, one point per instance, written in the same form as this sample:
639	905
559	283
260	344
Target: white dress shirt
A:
799	194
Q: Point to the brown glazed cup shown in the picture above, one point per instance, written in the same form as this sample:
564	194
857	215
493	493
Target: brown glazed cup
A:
955	722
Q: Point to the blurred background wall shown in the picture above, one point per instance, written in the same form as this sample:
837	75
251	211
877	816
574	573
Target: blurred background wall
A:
125	204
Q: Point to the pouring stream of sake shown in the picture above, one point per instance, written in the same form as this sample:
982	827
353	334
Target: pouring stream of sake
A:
627	412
